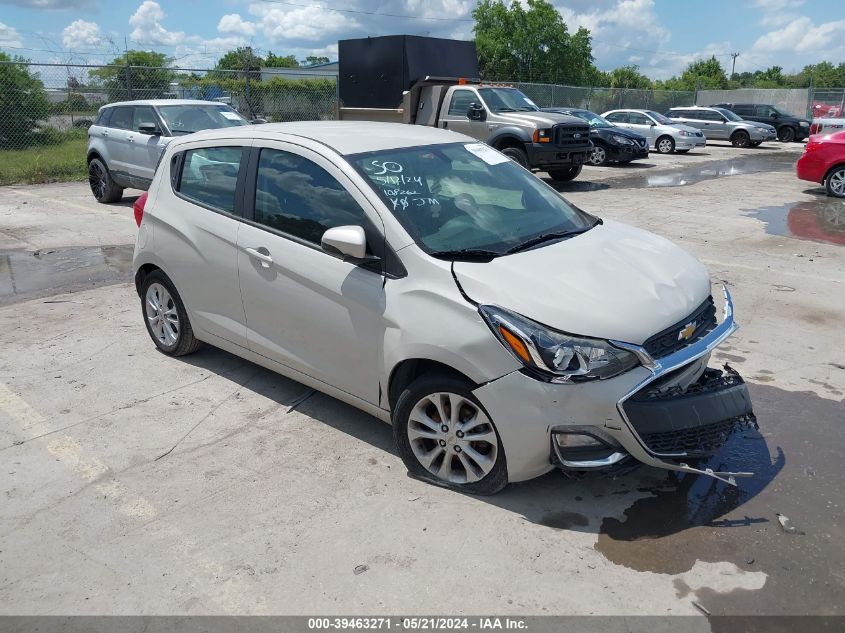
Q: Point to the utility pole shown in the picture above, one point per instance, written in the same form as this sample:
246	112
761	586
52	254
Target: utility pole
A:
733	65
128	68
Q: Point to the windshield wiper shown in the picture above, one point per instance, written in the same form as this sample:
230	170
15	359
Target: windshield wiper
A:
547	237
468	253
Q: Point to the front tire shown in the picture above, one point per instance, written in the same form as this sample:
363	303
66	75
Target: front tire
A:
104	188
445	437
517	155
665	145
598	156
786	134
165	316
740	139
565	175
834	182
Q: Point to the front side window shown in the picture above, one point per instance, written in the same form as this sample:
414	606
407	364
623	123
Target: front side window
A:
143	115
185	119
618	117
459	197
659	118
296	196
210	176
727	114
461	101
638	119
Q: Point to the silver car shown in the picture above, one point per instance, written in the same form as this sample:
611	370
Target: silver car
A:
723	125
128	138
664	134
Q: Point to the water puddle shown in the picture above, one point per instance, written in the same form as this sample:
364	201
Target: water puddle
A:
820	220
30	274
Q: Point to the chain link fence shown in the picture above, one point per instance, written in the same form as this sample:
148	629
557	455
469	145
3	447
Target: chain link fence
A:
603	99
827	102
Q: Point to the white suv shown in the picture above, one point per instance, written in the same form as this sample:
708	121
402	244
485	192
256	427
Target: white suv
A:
427	279
127	139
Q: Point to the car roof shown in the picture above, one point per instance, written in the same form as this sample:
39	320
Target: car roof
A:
345	137
692	108
164	102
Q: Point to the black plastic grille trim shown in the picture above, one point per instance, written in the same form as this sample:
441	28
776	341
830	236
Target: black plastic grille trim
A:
700	441
667	342
564	134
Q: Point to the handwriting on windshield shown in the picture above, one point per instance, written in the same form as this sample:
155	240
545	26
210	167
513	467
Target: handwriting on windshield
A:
402	190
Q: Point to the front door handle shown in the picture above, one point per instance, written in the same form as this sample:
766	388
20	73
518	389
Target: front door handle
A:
264	258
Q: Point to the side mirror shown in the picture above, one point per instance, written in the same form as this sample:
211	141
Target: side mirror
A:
151	129
476	112
775	115
653	124
258	120
349	241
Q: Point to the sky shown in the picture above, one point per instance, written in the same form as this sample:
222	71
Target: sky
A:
661	36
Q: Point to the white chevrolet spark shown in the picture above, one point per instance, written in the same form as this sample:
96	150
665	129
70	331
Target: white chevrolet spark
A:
423	277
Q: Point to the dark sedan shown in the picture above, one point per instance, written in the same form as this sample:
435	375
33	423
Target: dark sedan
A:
610	143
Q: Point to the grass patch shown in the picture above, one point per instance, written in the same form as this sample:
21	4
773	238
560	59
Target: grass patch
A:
53	157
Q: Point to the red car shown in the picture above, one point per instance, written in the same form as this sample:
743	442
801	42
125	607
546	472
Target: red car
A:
824	162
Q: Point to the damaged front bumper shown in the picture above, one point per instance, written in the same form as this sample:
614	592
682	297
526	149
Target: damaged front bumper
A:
673	410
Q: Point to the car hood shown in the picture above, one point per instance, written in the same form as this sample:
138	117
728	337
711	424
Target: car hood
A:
538	118
612	282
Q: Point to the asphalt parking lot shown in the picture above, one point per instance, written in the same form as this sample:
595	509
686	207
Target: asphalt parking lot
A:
136	483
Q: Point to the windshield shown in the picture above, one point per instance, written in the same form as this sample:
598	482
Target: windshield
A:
185	119
459	197
730	116
592	118
507	100
659	118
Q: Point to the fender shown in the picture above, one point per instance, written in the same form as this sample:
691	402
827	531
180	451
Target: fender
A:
511	131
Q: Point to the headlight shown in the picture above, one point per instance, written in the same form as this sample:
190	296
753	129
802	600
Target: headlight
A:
621	140
685	133
554	356
542	136
803	124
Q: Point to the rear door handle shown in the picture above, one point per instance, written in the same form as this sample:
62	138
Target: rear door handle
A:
264	258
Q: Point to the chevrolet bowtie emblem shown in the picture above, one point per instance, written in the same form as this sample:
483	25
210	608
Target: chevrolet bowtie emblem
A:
687	332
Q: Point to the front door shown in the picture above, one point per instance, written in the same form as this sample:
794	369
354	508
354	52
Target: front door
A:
144	149
641	124
307	309
456	119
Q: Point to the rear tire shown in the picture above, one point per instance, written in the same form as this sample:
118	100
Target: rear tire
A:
423	410
104	188
786	134
665	145
740	138
834	182
165	316
517	155
565	175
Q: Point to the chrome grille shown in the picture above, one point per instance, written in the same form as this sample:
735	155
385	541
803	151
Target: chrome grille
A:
669	341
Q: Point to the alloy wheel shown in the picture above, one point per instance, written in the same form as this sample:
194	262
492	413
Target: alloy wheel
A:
664	146
97	179
162	315
598	156
452	438
836	183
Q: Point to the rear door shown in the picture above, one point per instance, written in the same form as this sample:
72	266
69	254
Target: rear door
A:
144	149
306	309
116	140
196	237
454	114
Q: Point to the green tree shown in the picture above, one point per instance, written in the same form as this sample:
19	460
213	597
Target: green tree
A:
313	60
628	77
279	61
705	74
147	76
530	42
242	59
22	102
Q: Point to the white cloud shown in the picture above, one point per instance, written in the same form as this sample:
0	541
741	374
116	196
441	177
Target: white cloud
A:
52	4
803	36
777	5
234	23
309	23
9	36
147	28
79	34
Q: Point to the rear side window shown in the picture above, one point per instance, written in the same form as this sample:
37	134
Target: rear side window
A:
209	176
103	117
121	118
743	110
296	196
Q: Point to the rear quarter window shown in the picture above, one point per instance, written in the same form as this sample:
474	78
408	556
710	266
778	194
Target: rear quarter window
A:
209	176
